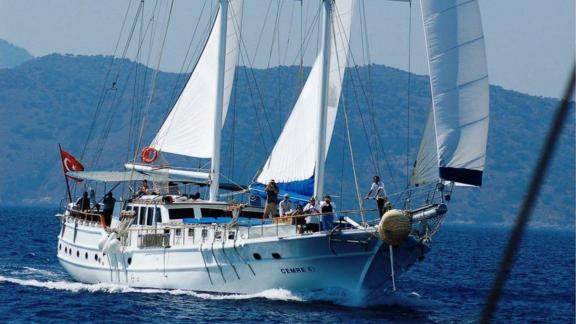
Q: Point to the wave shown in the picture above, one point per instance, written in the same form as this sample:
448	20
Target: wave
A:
271	294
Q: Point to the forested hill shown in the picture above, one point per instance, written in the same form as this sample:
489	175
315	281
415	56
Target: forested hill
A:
52	99
12	55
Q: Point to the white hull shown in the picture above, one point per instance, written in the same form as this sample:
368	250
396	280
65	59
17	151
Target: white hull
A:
303	262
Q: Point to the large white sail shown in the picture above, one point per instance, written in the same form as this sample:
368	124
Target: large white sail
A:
293	158
425	169
460	89
189	128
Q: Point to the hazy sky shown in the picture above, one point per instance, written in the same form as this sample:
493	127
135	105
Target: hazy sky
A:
530	43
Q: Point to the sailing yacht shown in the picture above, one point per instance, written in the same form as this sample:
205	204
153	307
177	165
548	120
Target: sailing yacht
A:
173	241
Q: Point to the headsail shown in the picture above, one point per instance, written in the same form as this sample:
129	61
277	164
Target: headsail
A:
425	169
460	89
188	130
293	159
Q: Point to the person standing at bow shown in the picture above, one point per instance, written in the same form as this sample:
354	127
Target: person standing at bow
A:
378	192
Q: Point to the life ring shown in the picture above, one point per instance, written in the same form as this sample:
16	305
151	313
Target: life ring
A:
149	155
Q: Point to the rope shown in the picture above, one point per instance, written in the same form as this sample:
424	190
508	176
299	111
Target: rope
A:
408	94
350	147
530	199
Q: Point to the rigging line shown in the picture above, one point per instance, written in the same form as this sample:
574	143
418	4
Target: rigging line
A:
262	30
150	26
112	111
116	100
154	79
308	38
260	96
184	66
408	94
344	107
530	199
135	99
291	22
366	52
275	33
104	85
208	32
366	97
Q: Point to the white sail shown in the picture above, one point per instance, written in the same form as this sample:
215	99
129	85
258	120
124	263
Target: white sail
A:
425	169
293	156
188	129
459	84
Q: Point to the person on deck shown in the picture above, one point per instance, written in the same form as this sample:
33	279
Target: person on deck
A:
108	207
285	206
377	192
143	189
173	188
84	202
313	221
298	220
327	207
271	200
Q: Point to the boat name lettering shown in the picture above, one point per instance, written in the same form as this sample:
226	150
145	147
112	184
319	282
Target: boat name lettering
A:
297	270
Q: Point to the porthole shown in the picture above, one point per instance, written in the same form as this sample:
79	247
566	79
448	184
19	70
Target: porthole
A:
65	250
77	254
257	256
59	247
86	255
276	256
70	251
129	261
96	257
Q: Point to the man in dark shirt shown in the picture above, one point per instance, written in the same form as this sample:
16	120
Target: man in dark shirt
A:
84	202
271	199
108	208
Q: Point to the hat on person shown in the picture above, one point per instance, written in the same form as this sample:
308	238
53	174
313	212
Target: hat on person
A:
286	195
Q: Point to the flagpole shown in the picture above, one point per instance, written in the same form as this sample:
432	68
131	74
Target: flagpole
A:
65	176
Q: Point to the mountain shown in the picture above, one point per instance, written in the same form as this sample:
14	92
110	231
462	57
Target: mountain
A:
12	55
54	99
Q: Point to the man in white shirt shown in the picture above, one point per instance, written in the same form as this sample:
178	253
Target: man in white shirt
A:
312	222
286	206
378	193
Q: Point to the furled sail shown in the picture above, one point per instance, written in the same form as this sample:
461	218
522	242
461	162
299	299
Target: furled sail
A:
292	160
188	129
460	89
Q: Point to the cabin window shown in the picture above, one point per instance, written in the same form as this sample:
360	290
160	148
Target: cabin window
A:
158	216
191	234
150	217
231	235
178	232
208	212
218	235
204	233
250	214
181	213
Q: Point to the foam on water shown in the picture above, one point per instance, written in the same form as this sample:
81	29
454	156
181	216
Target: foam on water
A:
271	294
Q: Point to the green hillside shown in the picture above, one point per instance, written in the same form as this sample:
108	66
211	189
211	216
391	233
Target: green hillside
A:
52	99
12	55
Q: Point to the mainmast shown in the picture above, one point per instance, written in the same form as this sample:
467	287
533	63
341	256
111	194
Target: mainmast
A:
220	79
322	112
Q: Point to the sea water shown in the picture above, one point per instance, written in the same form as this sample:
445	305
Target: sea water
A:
450	285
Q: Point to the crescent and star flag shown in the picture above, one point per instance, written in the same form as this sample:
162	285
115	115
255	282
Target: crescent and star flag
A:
69	163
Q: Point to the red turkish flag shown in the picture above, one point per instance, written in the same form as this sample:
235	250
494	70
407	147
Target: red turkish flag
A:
69	163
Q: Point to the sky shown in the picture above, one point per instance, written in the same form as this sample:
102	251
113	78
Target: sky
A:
529	43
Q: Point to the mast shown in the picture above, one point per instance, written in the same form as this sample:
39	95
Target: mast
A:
220	79
322	112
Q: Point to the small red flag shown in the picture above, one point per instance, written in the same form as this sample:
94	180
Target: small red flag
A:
69	163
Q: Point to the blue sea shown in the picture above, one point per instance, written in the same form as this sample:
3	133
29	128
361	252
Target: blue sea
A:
450	285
